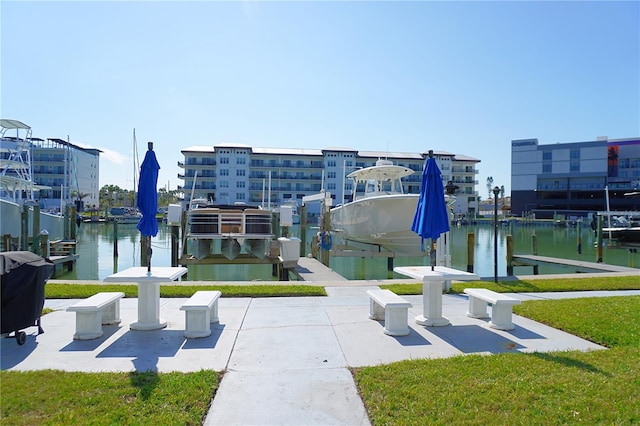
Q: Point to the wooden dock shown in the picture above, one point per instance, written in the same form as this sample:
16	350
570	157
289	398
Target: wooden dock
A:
576	265
65	260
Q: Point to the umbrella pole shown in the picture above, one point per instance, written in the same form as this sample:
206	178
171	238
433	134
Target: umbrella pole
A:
149	252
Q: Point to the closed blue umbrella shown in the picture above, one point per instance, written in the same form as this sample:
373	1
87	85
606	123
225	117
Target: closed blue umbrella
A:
147	201
431	218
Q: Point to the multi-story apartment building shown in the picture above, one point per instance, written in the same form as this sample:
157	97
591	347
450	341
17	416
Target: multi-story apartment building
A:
232	173
574	178
72	172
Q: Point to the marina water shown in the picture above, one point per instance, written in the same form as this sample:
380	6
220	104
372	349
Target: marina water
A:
96	249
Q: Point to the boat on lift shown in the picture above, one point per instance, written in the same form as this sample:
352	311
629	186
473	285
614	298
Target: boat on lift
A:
381	213
228	229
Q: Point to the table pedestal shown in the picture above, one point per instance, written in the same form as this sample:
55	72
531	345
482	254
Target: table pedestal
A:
149	307
432	303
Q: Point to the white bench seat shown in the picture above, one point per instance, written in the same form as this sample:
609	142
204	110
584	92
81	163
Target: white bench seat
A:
501	309
393	309
200	311
94	312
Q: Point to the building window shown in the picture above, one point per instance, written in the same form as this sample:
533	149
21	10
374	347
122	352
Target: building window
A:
547	155
241	160
224	172
240	172
331	175
224	160
546	168
574	167
331	163
575	153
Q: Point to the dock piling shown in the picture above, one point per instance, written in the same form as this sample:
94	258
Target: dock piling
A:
471	243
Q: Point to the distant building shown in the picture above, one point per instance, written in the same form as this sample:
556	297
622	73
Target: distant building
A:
72	173
232	173
571	178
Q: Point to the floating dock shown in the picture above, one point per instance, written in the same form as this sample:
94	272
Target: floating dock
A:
577	265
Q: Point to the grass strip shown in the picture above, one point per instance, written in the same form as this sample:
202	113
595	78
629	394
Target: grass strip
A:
81	291
533	286
53	397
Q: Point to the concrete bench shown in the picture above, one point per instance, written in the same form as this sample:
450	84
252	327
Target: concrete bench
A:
501	310
393	309
200	311
95	311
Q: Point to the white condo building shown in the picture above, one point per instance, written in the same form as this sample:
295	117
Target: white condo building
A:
269	177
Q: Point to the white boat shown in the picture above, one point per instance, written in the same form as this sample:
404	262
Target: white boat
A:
624	227
17	188
229	230
382	214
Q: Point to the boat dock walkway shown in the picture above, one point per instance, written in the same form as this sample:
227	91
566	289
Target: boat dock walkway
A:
310	269
577	265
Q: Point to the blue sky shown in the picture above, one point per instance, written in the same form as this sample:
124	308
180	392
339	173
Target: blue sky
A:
462	77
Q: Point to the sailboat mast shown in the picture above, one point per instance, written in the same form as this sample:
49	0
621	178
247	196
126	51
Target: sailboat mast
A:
136	166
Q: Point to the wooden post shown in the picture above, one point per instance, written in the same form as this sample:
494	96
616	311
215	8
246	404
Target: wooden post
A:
599	241
144	245
175	238
66	234
115	238
471	246
72	223
534	244
36	221
510	255
24	229
303	230
44	245
580	236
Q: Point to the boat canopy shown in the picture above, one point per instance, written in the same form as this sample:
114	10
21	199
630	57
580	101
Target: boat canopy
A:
381	173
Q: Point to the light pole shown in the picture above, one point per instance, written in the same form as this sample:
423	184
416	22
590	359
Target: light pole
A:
496	191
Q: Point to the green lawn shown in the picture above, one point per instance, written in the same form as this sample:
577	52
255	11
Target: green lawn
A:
597	387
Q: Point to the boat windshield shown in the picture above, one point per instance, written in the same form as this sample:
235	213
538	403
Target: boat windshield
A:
391	186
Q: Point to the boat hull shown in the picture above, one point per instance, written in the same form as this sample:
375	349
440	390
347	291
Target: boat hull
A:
384	221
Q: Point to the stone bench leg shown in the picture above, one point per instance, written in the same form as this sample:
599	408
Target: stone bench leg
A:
213	314
88	325
197	323
396	321
376	312
501	317
477	308
111	313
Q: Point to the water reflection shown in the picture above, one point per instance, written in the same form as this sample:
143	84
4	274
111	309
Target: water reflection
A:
96	245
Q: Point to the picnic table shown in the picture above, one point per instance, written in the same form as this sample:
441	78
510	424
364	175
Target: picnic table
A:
432	285
148	292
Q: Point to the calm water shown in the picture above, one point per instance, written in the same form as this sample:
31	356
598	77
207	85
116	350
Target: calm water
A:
96	247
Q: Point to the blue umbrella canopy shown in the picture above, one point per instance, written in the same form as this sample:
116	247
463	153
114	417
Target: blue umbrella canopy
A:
431	218
147	201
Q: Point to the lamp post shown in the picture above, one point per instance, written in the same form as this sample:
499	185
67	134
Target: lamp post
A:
496	191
